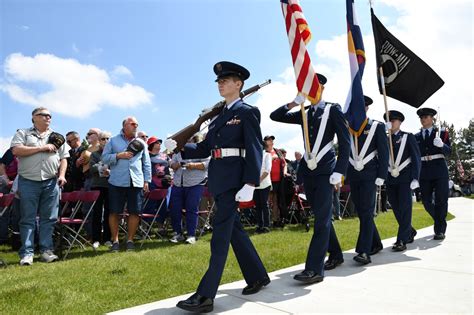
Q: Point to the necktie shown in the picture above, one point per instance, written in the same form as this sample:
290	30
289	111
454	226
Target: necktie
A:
427	133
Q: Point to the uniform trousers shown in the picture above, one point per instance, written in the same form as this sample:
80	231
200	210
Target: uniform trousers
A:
319	193
437	207
400	198
227	230
363	196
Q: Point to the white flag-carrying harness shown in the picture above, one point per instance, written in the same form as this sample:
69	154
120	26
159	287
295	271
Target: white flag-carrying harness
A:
360	160
397	168
316	155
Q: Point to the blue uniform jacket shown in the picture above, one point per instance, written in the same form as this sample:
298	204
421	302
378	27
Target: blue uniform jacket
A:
412	170
237	127
378	166
336	125
435	168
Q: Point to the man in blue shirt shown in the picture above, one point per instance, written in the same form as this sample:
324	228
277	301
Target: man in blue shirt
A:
130	173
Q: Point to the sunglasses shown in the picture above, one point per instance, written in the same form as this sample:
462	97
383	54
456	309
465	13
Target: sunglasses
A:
104	139
91	133
144	137
134	124
44	115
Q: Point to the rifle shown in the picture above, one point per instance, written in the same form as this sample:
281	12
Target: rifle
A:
181	137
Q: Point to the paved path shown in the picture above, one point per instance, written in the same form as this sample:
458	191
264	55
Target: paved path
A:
431	277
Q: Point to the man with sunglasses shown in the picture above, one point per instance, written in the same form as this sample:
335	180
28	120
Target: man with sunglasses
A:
42	168
434	147
74	175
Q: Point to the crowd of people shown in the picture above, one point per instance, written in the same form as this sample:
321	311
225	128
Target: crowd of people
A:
236	165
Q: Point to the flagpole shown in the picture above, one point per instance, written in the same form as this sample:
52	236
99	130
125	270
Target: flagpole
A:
382	83
305	130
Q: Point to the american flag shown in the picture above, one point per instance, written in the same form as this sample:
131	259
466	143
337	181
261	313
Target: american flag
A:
299	35
354	109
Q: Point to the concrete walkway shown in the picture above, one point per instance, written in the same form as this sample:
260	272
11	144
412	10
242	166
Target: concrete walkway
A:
431	277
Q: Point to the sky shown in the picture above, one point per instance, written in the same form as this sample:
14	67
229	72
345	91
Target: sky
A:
92	63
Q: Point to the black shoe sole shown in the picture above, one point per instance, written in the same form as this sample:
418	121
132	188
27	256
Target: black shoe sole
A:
201	309
264	284
334	266
362	261
310	280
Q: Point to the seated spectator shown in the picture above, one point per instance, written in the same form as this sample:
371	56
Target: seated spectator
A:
99	173
190	176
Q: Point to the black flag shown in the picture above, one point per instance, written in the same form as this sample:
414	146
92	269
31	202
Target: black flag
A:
407	78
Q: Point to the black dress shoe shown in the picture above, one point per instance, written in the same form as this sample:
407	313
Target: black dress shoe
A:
308	277
197	303
376	250
412	236
255	287
439	236
331	264
363	258
399	247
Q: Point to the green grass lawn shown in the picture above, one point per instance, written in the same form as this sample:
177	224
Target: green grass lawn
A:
97	282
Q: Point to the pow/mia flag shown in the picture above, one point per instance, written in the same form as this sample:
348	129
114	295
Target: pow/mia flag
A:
407	78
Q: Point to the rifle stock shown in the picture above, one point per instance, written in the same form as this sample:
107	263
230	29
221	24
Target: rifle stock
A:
181	137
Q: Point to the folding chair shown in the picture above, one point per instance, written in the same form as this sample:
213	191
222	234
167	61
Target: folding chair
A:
154	195
249	217
345	190
5	202
90	198
70	206
204	216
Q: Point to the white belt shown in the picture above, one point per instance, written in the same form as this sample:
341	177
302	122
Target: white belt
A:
432	157
227	152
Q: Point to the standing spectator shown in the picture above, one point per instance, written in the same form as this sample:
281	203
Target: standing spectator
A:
190	176
142	135
130	174
74	175
99	173
10	164
276	175
260	195
42	158
295	166
160	179
8	172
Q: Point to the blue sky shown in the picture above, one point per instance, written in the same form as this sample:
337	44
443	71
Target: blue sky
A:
95	62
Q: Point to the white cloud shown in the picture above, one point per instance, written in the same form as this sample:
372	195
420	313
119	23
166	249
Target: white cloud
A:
70	84
4	144
434	35
24	27
75	48
122	71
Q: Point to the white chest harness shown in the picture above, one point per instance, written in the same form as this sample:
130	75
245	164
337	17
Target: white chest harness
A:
359	160
396	168
316	155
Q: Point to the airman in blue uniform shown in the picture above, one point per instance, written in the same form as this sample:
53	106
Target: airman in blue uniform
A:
403	177
434	146
321	172
234	141
368	169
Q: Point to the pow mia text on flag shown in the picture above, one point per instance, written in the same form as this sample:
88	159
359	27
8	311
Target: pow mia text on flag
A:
393	61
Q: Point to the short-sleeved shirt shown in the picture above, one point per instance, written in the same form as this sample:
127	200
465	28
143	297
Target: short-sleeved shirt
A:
190	178
42	165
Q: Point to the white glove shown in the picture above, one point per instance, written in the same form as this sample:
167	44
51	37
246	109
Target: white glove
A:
388	125
438	142
245	193
310	161
170	144
379	181
335	178
299	99
414	184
